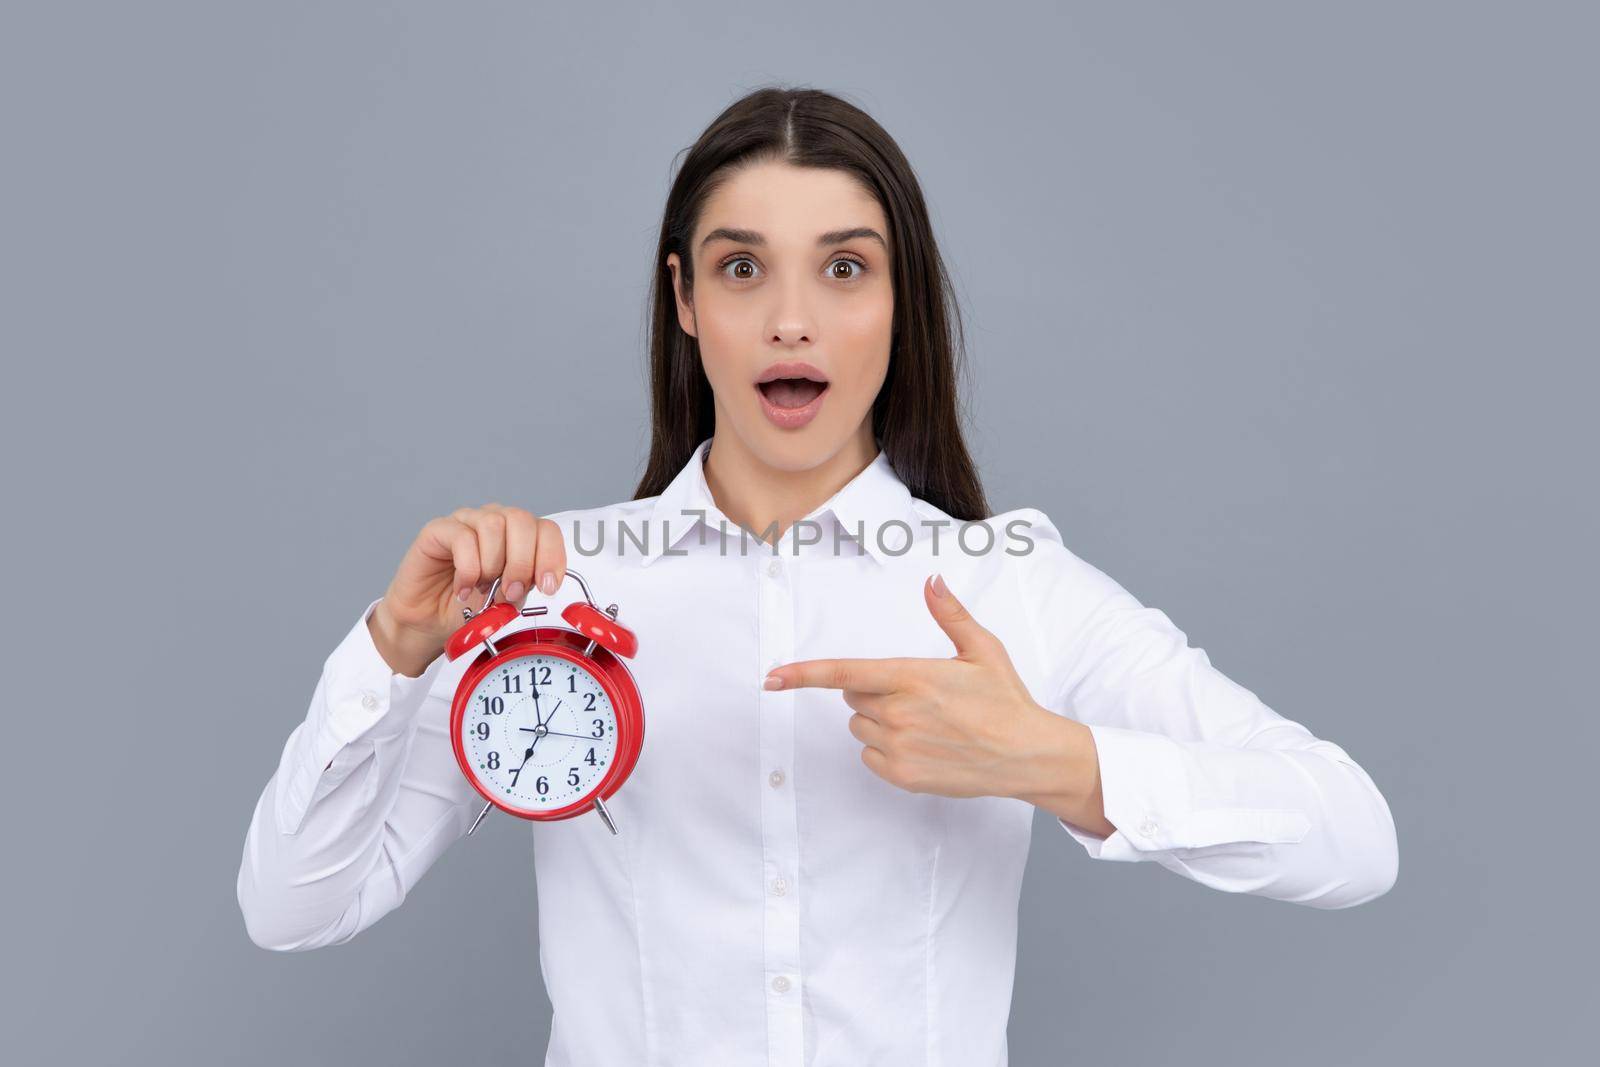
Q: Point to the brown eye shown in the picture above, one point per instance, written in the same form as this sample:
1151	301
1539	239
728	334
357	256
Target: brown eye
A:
848	275
747	272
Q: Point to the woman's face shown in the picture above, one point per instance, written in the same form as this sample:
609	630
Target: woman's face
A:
791	266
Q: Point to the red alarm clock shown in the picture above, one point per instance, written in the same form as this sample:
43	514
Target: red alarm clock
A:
547	721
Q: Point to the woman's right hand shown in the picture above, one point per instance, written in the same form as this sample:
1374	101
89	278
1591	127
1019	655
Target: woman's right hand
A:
465	550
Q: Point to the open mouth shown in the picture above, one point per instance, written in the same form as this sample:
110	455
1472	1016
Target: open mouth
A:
791	392
791	384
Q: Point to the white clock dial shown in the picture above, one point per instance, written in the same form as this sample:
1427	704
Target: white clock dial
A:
552	706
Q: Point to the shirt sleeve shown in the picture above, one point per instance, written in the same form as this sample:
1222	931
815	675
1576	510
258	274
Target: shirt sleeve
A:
365	797
1197	774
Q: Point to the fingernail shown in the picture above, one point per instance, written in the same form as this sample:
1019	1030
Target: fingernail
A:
463	593
773	681
547	584
939	586
515	590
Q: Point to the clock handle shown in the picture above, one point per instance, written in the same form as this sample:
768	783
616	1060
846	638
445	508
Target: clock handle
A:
495	585
628	642
582	585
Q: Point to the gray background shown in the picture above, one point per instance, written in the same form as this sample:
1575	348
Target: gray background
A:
1273	308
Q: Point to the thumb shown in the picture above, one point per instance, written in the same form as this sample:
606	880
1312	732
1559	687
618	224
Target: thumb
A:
972	641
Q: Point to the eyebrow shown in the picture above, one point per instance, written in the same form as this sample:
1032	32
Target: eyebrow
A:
754	237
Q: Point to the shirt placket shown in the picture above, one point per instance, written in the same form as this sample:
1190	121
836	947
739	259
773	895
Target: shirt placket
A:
779	831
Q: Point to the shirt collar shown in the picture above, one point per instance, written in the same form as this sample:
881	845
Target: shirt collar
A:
869	509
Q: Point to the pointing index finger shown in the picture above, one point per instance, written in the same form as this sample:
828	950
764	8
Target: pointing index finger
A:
861	675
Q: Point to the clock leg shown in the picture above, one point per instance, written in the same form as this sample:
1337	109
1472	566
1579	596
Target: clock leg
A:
604	814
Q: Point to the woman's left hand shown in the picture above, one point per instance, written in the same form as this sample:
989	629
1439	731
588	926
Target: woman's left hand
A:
961	727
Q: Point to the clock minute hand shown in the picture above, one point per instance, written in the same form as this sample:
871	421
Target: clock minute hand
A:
526	756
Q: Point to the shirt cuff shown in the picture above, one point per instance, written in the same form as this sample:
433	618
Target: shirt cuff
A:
359	697
1147	791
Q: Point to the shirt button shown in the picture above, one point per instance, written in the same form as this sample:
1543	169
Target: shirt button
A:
776	778
369	701
779	887
1148	827
775	568
781	984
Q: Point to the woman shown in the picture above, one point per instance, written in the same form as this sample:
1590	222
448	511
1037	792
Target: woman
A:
820	850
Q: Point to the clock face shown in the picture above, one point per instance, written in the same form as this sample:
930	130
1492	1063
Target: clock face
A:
539	732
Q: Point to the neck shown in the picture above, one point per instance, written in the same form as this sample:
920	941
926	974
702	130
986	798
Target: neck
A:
758	495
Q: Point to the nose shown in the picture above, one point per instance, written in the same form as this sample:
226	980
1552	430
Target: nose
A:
791	322
791	334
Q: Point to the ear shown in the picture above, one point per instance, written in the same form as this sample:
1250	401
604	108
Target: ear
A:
685	309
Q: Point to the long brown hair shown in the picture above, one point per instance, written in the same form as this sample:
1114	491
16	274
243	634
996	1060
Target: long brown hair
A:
915	416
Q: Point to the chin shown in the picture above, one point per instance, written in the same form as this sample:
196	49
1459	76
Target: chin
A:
794	450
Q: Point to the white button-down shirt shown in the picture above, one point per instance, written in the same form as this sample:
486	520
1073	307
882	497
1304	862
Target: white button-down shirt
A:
768	898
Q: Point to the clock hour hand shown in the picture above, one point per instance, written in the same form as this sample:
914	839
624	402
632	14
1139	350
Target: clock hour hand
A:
538	716
544	724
